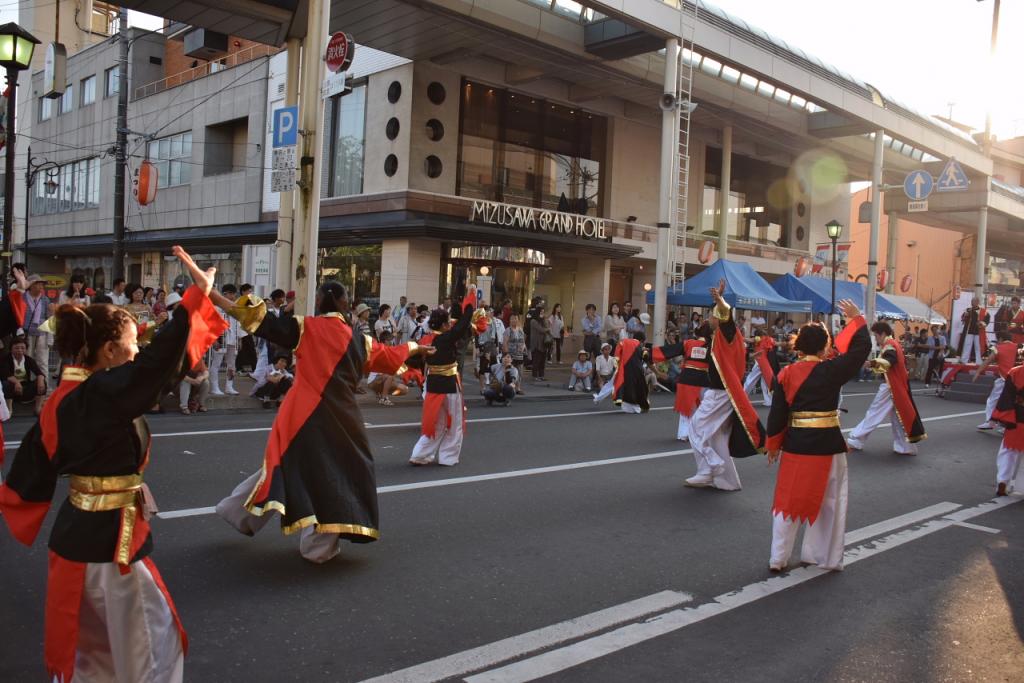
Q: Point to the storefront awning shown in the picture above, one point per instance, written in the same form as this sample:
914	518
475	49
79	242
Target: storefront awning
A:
744	288
917	311
818	291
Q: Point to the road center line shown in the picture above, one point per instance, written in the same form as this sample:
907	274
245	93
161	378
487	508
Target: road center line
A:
513	474
584	651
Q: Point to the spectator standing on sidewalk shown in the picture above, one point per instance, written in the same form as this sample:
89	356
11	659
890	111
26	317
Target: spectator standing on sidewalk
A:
361	321
384	327
557	326
591	324
582	369
487	344
225	349
540	340
614	325
635	326
38	309
117	296
514	343
75	293
406	325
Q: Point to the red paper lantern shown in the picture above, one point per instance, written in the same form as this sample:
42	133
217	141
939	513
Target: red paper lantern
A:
906	283
882	279
803	264
144	184
707	249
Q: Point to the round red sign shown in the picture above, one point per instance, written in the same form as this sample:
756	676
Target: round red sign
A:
340	50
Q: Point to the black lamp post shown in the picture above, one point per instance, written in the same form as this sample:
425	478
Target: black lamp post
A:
16	48
33	167
835	229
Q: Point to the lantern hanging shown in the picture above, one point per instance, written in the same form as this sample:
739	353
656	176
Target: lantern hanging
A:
144	184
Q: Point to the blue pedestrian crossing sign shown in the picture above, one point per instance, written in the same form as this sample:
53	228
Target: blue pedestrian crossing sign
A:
918	185
952	178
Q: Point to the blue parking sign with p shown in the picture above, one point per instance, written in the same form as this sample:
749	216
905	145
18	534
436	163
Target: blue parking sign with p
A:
286	127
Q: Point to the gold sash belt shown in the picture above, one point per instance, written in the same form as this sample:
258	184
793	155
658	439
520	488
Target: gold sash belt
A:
450	370
809	419
104	494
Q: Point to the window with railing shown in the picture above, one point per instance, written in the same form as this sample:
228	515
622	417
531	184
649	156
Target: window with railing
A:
172	157
69	187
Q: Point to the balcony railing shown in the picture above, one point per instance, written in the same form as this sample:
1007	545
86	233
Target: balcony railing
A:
205	69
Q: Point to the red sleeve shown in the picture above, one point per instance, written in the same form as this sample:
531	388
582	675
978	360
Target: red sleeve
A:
387	360
843	338
205	324
17	302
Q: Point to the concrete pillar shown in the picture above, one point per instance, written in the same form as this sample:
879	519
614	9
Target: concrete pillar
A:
723	197
410	268
980	259
286	210
668	188
306	231
876	219
593	282
891	251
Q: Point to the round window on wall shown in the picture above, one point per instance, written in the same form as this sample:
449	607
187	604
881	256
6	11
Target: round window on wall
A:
801	209
435	130
391	130
433	167
800	232
390	165
436	93
394	91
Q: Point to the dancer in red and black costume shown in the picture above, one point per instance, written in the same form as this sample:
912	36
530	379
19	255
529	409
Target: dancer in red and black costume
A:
803	428
725	425
1015	324
766	366
693	379
1004	356
443	424
1010	413
317	469
629	385
108	614
12	317
893	396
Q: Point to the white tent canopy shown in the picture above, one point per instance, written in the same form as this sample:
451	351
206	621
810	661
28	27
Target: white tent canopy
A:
918	311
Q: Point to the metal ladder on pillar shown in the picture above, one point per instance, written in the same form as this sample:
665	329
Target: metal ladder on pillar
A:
681	168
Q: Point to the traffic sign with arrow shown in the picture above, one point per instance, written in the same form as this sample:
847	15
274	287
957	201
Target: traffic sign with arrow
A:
918	185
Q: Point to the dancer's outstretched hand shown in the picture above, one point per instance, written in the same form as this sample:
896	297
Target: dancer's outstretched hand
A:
850	310
773	457
202	278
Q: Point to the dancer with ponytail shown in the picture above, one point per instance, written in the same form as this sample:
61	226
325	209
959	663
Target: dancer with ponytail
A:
108	614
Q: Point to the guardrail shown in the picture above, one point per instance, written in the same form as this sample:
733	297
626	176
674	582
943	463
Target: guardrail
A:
205	69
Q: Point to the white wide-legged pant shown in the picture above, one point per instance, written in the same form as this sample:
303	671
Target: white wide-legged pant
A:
1008	467
824	541
446	445
753	377
881	409
971	345
710	426
993	398
126	631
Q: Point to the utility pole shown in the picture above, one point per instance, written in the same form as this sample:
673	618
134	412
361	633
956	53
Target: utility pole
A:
286	208
876	219
122	144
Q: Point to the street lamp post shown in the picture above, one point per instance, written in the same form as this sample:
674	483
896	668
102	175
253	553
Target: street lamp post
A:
835	229
16	48
33	167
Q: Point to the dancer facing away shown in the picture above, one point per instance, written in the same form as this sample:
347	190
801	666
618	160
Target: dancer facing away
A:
442	426
317	469
893	396
725	425
1010	413
629	384
803	428
1004	355
108	614
693	379
766	367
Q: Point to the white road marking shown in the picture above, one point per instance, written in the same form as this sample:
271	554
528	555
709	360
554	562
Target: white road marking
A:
513	474
888	525
977	527
534	641
578	653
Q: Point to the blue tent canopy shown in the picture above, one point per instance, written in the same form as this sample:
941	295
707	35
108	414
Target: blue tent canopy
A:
819	291
744	288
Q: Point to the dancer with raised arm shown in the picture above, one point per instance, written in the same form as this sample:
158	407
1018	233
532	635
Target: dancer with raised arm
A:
317	469
893	397
766	367
109	616
629	385
803	430
725	425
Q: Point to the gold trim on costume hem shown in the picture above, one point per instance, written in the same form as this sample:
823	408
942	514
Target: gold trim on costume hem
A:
300	320
311	520
449	370
809	419
736	408
89	484
368	343
723	315
124	540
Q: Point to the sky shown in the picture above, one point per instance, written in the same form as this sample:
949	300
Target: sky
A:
928	54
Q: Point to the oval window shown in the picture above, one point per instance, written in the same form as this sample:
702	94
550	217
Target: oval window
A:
394	91
391	130
433	166
436	93
390	165
435	130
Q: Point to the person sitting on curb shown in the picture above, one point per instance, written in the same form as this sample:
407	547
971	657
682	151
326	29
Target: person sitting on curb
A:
504	380
581	371
279	381
196	380
24	381
605	365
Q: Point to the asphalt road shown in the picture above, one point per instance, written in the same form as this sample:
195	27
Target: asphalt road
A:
564	547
